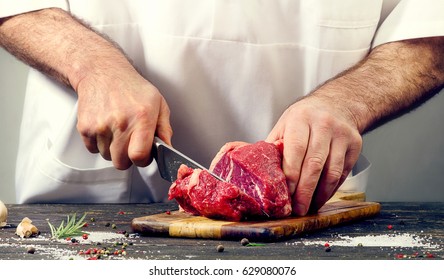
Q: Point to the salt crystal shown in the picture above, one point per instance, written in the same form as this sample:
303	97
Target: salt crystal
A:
386	240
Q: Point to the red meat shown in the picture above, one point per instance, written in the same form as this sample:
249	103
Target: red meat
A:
255	185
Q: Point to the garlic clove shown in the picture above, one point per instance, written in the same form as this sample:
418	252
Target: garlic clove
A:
26	229
3	214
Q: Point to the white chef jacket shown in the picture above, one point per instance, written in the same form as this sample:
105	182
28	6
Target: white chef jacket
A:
227	68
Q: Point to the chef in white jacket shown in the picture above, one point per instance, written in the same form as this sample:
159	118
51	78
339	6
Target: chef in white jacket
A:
108	75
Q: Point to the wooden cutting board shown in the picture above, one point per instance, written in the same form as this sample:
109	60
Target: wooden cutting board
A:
342	208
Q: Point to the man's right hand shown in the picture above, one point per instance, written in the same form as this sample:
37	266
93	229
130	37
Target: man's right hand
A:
118	117
118	110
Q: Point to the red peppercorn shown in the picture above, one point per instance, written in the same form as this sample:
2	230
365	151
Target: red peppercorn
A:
429	255
85	236
121	213
168	212
389	227
85	225
326	245
68	239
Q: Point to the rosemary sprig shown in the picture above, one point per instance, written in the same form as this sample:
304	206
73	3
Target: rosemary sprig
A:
72	227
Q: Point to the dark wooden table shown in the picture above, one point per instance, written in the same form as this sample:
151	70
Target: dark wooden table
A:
423	222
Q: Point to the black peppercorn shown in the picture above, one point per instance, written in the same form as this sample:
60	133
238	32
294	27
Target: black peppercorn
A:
245	242
220	248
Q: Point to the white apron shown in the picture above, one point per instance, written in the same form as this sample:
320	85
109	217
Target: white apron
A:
228	69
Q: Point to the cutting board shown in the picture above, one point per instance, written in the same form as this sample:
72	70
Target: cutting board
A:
342	208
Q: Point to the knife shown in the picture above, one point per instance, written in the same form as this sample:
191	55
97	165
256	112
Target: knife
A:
169	160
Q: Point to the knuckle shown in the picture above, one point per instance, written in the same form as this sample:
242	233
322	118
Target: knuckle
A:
333	175
326	119
121	164
357	142
139	158
83	128
315	163
292	174
118	121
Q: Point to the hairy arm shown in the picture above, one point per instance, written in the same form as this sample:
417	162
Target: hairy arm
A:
322	131
119	111
57	44
393	78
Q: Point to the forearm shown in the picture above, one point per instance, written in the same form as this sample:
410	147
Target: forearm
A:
393	78
54	42
118	110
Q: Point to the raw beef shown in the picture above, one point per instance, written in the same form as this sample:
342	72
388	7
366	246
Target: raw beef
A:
255	185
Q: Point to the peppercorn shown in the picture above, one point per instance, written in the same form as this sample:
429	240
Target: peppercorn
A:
389	227
245	242
85	236
220	248
30	250
328	249
113	226
92	220
107	224
73	240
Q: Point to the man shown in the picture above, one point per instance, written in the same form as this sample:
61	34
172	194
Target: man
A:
226	71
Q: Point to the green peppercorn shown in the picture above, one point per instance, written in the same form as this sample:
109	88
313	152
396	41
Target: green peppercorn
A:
113	226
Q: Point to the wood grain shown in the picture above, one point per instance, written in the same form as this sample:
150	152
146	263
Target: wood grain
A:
343	208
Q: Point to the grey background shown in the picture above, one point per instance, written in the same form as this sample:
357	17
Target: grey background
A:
407	154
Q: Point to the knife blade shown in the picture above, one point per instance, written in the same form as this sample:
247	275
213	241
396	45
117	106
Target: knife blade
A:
169	160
